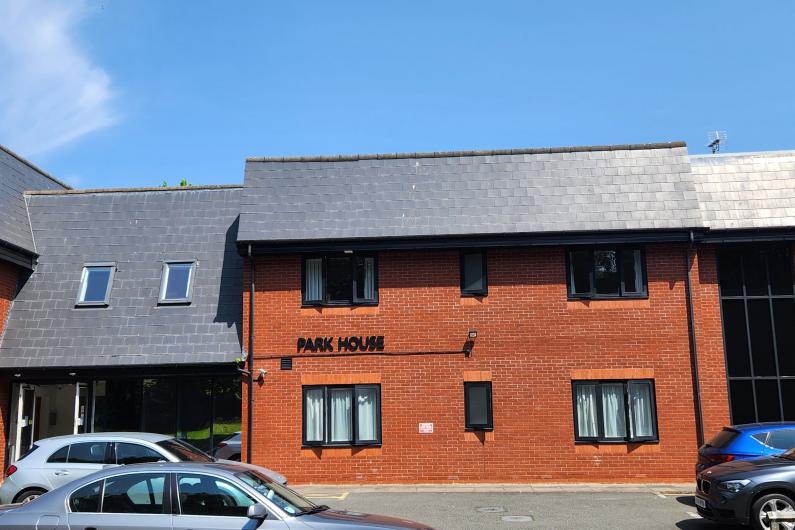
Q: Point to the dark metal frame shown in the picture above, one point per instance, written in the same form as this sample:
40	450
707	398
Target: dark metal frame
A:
592	294
601	438
745	297
355	440
489	425
484	268
354	301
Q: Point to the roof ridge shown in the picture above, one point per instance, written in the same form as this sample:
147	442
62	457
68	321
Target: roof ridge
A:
34	167
781	152
442	154
204	187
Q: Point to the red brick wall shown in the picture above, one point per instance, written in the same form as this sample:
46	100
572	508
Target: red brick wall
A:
531	341
9	275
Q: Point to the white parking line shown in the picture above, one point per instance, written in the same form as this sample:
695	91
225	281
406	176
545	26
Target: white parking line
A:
341	497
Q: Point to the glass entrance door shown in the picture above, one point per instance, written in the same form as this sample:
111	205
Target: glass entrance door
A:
81	408
26	419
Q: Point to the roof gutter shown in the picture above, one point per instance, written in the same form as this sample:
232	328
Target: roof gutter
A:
691	327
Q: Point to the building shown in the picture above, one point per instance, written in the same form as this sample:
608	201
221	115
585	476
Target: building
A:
563	314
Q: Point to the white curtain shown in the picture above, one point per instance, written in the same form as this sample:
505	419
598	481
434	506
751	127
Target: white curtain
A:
314	415
313	279
641	423
586	411
369	278
340	414
638	271
613	410
365	414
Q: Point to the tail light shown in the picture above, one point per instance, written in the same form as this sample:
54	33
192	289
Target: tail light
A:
10	470
719	459
221	444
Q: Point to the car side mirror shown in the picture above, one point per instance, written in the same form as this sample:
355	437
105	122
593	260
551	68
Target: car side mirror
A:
257	512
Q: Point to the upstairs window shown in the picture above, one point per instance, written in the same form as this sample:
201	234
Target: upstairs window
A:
340	280
177	284
606	273
95	285
473	273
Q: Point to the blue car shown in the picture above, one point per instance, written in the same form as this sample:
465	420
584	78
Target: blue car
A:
744	442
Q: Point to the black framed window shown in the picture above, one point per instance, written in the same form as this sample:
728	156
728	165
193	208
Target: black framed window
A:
478	413
758	314
340	280
606	272
474	280
615	411
342	415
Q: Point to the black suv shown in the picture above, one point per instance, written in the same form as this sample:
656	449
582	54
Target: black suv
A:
746	491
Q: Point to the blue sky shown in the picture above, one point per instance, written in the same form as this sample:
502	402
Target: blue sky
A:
131	93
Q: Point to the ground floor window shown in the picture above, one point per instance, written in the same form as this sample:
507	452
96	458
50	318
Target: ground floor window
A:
614	411
477	406
342	415
200	409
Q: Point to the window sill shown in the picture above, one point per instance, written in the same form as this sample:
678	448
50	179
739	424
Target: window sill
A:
616	442
173	302
340	446
573	297
92	305
479	429
339	310
607	303
474	294
353	304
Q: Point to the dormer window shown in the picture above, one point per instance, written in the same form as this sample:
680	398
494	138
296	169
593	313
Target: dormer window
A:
95	285
176	287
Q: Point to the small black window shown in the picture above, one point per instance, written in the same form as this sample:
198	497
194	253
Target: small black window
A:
87	453
134	493
342	415
473	273
95	285
86	499
340	280
614	411
782	439
59	456
477	406
176	285
606	273
127	453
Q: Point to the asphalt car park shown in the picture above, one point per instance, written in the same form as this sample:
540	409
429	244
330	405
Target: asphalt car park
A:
602	508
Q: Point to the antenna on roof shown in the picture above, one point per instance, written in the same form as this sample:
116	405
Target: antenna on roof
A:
715	139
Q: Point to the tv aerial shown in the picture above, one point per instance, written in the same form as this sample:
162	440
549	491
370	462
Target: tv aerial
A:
716	138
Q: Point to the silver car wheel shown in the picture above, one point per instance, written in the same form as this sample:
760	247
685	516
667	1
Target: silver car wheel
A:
29	497
775	506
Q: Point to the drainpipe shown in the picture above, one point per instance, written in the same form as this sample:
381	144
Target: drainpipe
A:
250	361
691	325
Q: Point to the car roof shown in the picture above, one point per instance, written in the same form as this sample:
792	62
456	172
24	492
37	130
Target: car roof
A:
177	467
140	436
762	426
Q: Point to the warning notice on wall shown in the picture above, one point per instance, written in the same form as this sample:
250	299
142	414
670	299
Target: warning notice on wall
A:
426	428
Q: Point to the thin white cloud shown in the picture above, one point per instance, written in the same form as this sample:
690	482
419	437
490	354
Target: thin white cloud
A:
50	92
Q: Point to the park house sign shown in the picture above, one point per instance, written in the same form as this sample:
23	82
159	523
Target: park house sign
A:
341	344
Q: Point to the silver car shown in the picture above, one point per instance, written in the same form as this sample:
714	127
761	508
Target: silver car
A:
182	496
229	448
53	462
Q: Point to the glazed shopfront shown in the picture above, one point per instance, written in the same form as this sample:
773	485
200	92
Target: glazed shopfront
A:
201	405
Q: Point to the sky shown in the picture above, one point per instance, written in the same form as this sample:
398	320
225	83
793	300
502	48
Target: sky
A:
105	93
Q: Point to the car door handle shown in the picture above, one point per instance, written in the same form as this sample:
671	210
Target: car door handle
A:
60	473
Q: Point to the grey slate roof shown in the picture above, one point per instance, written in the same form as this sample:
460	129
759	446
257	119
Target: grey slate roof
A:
137	230
17	175
746	190
633	187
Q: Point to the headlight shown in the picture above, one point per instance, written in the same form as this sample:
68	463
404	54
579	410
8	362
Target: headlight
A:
733	485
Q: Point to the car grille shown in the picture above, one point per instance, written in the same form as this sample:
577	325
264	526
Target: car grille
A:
703	486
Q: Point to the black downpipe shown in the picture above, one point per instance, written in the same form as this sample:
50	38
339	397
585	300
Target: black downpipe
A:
250	361
691	325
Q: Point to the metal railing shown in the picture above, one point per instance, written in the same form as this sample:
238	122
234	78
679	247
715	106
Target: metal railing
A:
777	519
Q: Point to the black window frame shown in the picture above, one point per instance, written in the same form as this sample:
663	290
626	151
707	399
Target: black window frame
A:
354	300
355	441
600	437
592	294
484	291
489	425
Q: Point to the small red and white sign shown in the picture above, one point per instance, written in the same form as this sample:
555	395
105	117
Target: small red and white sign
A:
426	428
